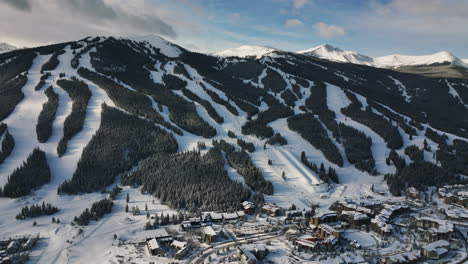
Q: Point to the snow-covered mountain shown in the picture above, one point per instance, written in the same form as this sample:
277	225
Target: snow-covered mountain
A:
329	52
246	51
182	131
5	47
396	60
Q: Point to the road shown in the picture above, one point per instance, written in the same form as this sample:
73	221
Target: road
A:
212	249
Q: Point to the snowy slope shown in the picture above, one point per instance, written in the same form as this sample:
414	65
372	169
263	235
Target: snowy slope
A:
328	52
396	60
5	47
165	47
246	51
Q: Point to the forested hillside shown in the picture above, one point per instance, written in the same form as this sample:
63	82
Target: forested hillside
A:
203	132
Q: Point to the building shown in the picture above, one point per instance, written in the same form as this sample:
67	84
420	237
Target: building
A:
354	218
435	250
433	229
402	258
162	236
208	234
271	210
323	219
181	249
252	253
248	207
412	193
381	222
324	231
153	247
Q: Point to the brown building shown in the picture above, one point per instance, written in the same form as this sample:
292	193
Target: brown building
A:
324	218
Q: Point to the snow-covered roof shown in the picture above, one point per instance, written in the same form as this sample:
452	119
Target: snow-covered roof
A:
153	244
178	244
208	230
438	244
160	233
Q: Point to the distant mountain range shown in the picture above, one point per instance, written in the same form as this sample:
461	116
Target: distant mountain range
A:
331	53
5	47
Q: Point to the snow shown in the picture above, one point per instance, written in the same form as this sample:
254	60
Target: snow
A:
402	89
246	51
331	53
22	121
363	239
336	100
165	47
5	47
396	60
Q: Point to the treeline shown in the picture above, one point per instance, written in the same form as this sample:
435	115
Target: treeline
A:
245	106
97	211
401	121
53	62
11	94
249	146
436	137
317	103
377	123
137	75
358	148
7	143
206	104
259	126
324	175
273	81
42	82
47	115
173	82
120	142
215	97
14	66
277	139
311	130
189	181
133	102
241	162
80	95
420	174
414	153
33	173
454	157
289	97
36	210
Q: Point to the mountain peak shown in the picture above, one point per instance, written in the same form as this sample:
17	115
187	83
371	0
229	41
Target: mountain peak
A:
246	51
5	47
332	53
166	47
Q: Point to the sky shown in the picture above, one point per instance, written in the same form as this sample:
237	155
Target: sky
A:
371	27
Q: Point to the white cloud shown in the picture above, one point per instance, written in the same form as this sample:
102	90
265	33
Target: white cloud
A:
329	30
294	23
300	3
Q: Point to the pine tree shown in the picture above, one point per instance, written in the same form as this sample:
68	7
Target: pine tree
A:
128	198
146	207
126	208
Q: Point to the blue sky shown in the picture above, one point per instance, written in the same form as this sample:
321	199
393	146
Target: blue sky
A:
371	27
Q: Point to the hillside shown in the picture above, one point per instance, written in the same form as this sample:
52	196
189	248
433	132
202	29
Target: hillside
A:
204	133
